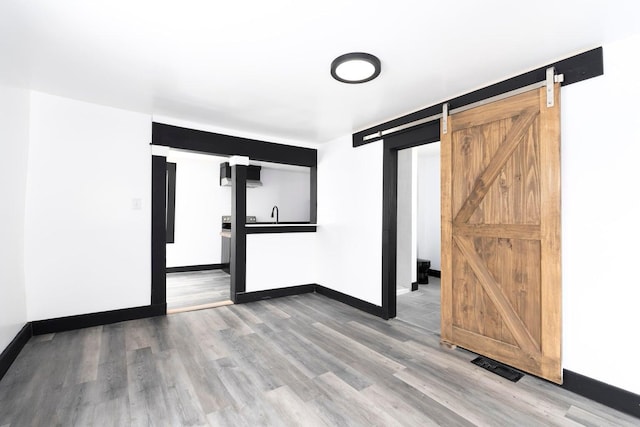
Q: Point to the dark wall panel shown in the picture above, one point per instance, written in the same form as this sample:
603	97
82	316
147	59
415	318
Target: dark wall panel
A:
215	143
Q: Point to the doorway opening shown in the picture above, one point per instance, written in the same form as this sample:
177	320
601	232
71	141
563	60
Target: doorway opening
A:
418	236
501	290
197	272
165	139
199	221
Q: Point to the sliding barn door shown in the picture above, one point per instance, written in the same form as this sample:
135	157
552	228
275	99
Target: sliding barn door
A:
501	293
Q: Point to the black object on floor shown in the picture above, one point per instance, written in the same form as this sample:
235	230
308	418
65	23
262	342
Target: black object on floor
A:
423	271
498	368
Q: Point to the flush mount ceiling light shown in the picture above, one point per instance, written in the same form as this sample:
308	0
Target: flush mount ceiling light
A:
355	67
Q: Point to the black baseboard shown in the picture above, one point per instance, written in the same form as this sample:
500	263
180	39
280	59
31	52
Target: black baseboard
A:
376	310
608	395
80	321
433	273
13	349
244	297
188	268
414	286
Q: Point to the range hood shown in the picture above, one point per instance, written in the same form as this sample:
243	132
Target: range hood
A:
253	175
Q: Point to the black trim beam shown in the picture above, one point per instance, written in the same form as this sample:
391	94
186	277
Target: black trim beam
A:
9	354
158	230
608	395
419	135
281	229
171	202
80	321
201	267
215	143
577	68
238	263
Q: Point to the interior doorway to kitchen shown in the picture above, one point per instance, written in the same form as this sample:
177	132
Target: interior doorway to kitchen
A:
418	236
199	230
165	139
196	203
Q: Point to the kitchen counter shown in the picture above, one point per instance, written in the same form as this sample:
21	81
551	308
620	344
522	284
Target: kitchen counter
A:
270	227
282	227
281	224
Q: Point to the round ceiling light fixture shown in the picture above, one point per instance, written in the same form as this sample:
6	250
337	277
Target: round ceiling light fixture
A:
355	67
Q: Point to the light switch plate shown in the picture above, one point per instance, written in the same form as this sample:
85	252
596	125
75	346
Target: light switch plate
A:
136	203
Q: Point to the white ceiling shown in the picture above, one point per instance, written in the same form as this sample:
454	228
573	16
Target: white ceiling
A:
262	67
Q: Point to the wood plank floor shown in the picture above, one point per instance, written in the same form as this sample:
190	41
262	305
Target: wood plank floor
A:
197	288
297	361
421	307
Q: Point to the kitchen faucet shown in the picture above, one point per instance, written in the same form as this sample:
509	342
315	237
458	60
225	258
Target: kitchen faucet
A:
275	208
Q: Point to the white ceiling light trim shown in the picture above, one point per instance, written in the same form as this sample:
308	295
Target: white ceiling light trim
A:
355	67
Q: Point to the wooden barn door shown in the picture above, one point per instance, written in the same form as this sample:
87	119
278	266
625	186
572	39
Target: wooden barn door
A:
501	290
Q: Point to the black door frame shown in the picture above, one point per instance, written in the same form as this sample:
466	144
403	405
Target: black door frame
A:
424	134
159	231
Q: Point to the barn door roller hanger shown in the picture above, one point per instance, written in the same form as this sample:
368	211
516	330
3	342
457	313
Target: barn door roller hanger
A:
549	82
552	78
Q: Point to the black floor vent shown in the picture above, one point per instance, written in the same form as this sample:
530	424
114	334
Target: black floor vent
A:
498	368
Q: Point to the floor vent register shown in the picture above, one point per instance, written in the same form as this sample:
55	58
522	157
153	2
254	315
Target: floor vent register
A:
498	368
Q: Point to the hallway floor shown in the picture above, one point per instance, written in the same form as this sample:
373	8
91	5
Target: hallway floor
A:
421	307
197	289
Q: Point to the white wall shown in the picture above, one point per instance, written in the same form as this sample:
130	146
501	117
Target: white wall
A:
287	189
600	211
200	204
281	260
350	218
405	251
87	247
429	203
14	140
